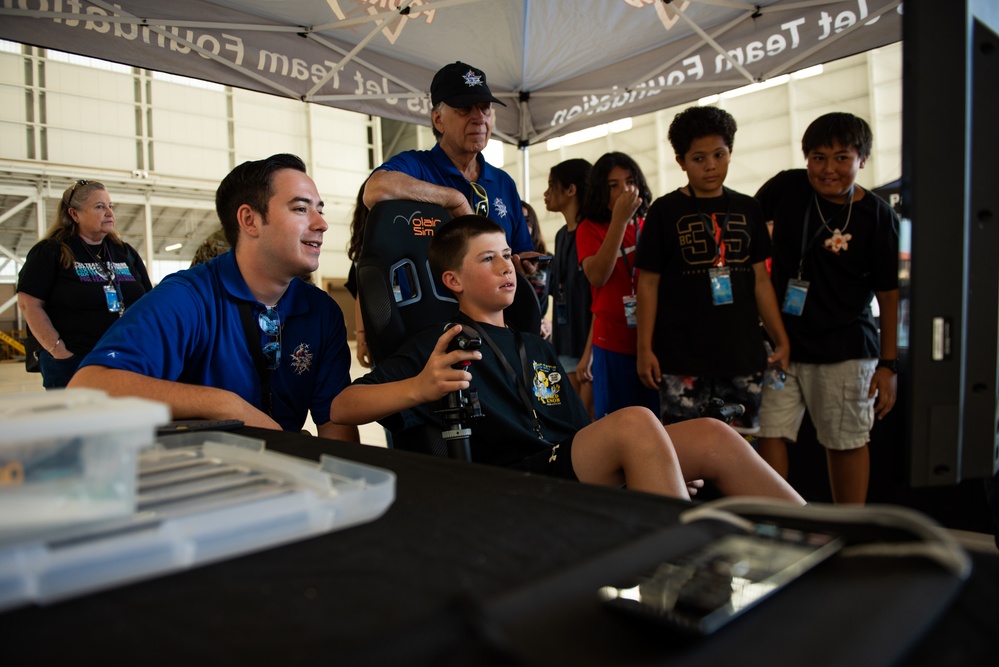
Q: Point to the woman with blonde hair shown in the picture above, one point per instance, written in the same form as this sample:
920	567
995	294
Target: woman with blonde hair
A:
77	281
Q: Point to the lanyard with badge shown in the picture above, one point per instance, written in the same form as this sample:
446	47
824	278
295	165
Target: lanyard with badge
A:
630	301
797	288
112	290
719	274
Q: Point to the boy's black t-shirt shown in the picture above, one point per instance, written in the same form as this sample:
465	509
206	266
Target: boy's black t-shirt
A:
505	435
693	336
836	323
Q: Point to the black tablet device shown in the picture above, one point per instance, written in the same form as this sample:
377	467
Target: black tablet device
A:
703	590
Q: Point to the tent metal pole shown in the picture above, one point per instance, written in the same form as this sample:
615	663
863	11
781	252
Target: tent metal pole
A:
525	174
400	15
40	209
523	144
147	208
17	208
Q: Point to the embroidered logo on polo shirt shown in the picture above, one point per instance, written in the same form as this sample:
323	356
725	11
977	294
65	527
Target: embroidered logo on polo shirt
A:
547	384
301	359
472	79
500	207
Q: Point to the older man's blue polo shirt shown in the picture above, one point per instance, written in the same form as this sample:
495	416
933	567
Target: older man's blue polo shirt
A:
434	166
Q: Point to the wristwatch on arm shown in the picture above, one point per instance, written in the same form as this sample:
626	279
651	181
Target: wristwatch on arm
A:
890	364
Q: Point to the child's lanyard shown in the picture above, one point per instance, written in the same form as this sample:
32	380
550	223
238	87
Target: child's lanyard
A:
804	232
624	256
719	230
518	379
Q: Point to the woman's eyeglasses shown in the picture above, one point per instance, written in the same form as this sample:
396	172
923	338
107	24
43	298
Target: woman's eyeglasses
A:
270	324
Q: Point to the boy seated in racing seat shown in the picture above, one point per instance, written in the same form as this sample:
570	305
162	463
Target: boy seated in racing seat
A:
533	419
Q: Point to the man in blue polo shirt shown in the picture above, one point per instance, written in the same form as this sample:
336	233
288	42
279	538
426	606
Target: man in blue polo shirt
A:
453	174
242	336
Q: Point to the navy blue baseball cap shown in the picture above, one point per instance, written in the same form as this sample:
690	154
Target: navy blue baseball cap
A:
460	85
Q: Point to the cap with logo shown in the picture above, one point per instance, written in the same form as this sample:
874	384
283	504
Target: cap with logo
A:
460	85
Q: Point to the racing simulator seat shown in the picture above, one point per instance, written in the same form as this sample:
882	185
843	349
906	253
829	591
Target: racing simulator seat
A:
400	296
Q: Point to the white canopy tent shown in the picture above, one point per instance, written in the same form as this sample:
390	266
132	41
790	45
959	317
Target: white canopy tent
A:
560	65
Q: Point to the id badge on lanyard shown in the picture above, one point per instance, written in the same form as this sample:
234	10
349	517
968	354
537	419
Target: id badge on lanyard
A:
797	288
794	298
113	298
721	285
630	310
630	301
719	275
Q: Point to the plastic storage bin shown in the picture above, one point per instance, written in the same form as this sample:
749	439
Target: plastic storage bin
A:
69	456
202	497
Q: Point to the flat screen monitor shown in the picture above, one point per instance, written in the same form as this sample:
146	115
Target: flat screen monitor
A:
950	250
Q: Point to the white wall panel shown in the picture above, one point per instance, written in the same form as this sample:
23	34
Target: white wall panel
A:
330	123
190	161
90	115
88	82
265	125
339	166
90	150
12	69
189	130
169	96
13	104
14	141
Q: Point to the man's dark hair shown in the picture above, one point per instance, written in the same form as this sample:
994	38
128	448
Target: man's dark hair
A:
838	127
573	172
449	244
696	122
250	183
595	204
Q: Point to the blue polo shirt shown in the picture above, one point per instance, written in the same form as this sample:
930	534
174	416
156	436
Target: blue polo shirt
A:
188	329
434	166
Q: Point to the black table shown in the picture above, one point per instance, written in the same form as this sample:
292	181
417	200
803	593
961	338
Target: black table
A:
476	565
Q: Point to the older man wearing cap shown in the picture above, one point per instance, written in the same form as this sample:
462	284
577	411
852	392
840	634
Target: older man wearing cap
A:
453	173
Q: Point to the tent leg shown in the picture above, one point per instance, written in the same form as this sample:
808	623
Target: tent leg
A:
525	174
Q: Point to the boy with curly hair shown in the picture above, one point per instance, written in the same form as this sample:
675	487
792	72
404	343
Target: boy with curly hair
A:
703	285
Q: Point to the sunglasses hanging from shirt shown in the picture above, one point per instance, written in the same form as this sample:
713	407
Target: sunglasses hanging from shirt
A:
480	200
266	357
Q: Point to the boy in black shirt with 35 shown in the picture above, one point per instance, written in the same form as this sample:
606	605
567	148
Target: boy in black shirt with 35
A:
704	286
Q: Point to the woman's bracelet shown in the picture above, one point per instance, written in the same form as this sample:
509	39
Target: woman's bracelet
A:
54	345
